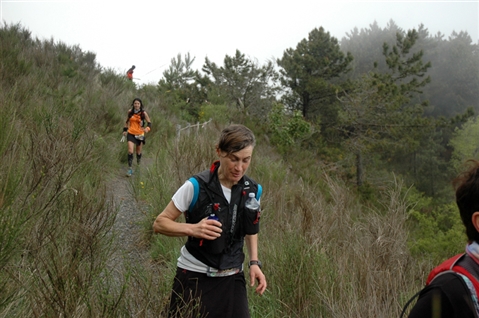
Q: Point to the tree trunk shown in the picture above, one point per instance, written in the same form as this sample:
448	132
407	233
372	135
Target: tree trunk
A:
306	101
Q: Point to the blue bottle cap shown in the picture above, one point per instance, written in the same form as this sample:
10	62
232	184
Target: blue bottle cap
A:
213	217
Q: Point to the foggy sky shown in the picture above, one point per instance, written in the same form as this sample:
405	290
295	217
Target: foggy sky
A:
149	34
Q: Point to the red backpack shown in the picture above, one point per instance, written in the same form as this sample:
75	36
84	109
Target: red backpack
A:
448	266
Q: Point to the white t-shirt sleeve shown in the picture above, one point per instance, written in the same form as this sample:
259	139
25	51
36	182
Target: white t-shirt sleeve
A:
183	196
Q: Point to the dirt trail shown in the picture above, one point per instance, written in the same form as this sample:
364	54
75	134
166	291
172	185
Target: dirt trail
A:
129	251
130	261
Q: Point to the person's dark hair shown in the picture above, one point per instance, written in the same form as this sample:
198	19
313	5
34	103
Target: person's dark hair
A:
133	102
235	137
467	197
132	110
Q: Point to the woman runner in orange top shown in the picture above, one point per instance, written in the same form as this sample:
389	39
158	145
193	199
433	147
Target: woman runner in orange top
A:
135	130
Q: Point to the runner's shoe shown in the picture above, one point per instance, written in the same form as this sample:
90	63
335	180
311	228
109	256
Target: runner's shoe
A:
129	173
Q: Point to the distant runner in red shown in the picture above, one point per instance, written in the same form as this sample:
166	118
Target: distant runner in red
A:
129	74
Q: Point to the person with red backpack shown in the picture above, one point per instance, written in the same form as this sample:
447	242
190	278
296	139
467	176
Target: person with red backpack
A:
136	125
129	73
452	287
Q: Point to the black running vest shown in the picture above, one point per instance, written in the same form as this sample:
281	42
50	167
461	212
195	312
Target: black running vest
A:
212	200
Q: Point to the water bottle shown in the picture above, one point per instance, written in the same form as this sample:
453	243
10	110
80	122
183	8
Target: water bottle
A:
213	217
251	215
251	203
216	245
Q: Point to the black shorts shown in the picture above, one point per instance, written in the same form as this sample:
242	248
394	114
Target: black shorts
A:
132	138
197	295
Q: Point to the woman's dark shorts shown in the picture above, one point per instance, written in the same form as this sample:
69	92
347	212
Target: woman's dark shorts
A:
134	140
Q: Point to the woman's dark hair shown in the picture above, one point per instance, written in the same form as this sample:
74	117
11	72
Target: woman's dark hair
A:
235	137
133	102
467	197
132	110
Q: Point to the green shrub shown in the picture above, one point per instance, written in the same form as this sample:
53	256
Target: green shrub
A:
221	113
286	130
436	232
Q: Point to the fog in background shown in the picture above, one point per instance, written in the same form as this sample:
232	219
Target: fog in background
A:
149	34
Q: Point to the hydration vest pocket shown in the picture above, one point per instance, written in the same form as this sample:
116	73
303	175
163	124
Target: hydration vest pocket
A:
217	245
251	221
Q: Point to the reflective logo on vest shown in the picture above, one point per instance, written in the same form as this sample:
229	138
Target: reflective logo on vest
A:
233	221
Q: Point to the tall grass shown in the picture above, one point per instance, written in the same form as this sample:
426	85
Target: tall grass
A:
55	154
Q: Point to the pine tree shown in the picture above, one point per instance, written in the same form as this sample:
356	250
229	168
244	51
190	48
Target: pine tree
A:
310	70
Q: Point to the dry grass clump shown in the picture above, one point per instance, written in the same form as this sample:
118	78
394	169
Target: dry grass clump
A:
328	255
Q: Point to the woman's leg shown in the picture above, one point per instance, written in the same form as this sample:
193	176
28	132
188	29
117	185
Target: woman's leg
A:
138	152
131	146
